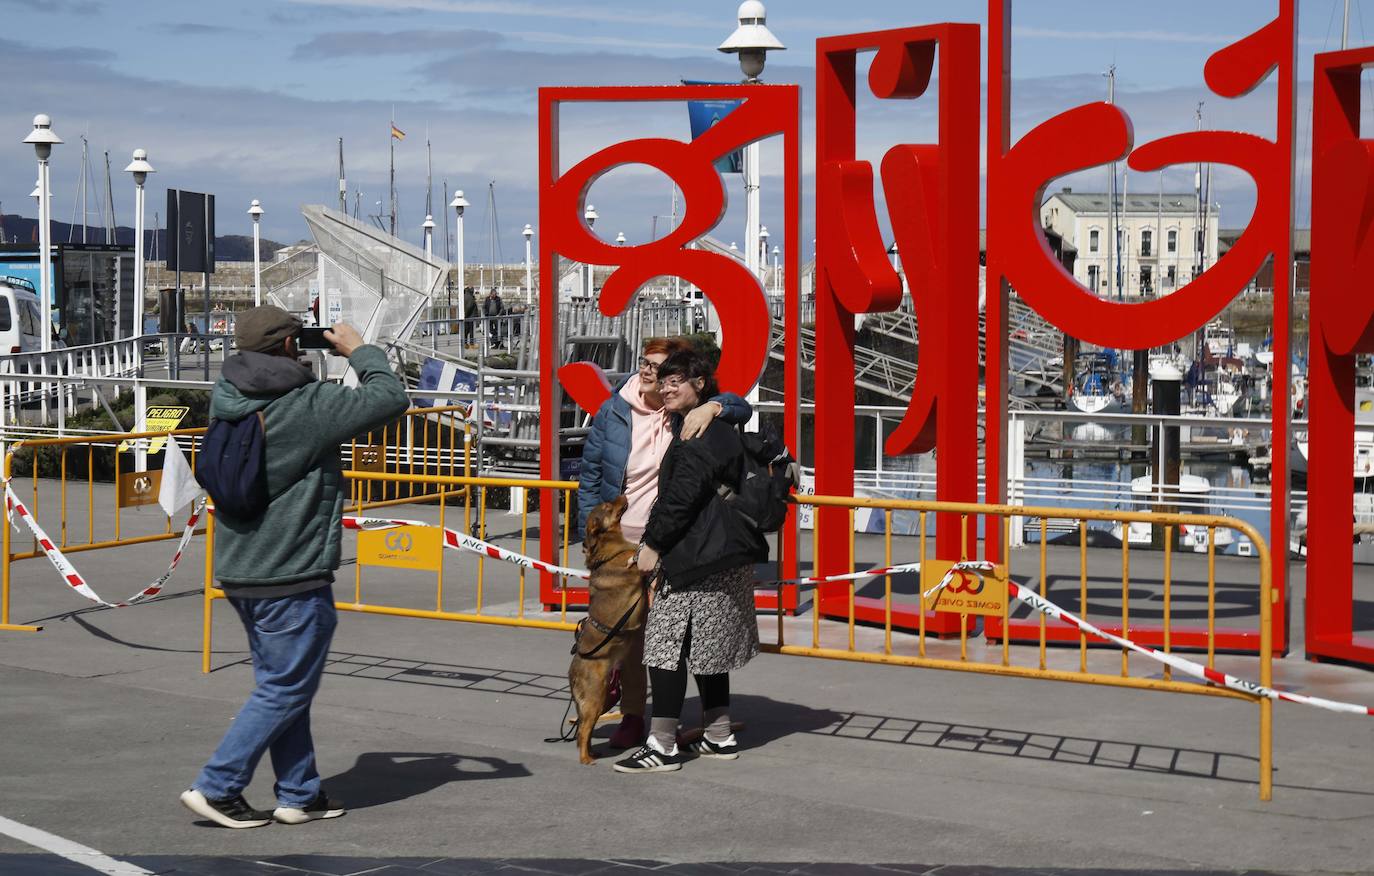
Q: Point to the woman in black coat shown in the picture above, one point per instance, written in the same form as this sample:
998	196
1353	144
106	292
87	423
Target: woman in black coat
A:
702	556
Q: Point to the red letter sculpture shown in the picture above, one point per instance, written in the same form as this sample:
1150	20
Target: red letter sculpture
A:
1018	255
931	191
736	295
1342	321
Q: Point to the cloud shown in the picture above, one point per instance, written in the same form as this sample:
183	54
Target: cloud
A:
1111	36
517	8
64	7
404	42
192	28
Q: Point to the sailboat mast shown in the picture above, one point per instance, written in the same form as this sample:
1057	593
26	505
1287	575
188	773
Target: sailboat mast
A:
1111	197
391	138
429	176
109	201
343	182
494	237
1197	197
446	238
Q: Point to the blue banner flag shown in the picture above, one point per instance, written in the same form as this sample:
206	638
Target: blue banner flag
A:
704	113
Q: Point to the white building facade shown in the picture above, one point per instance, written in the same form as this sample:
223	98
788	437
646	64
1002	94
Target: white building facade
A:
1163	241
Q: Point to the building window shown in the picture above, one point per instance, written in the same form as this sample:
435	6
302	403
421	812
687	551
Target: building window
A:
1197	240
1146	278
1093	240
1093	274
1173	240
1171	278
1147	239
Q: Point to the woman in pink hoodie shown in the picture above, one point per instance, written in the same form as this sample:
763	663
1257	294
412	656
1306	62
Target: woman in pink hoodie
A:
624	450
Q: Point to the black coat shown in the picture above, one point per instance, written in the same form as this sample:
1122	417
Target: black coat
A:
693	529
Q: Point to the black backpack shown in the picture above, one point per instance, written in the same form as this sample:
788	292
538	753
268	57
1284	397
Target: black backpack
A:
767	478
232	466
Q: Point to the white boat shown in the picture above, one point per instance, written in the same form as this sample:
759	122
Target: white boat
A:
1364	439
1218	339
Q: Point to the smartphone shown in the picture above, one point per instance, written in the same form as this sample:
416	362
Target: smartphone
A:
313	339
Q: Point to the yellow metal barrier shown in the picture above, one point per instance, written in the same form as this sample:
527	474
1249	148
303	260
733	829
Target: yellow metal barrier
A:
1002	515
424	441
465	486
63	447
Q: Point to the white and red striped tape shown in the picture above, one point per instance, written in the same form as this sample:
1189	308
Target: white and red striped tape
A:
847	576
15	508
462	541
1197	670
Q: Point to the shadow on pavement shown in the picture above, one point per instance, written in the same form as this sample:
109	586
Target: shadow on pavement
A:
380	777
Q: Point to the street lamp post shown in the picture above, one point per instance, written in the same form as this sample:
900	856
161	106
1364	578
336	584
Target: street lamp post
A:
763	250
140	168
620	239
529	265
255	210
752	41
460	203
429	236
777	275
591	216
43	139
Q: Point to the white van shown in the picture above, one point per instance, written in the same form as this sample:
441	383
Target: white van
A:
19	317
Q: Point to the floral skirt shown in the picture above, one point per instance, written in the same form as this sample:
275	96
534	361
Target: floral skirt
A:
719	610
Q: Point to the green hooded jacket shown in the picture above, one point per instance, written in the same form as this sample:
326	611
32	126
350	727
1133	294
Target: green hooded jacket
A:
297	539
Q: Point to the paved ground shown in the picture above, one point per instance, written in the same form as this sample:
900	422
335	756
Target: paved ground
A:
436	733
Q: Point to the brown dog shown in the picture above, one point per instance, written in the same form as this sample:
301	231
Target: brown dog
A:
617	593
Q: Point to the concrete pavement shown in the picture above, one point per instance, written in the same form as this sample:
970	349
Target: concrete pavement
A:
435	733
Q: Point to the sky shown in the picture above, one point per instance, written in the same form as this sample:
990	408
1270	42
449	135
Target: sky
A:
248	99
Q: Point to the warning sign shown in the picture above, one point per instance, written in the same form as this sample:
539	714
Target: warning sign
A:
404	547
968	592
161	418
139	488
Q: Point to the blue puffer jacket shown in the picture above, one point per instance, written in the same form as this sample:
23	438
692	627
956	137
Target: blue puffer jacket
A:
607	451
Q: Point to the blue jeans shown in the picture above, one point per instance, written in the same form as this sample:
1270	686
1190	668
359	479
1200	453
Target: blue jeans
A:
289	639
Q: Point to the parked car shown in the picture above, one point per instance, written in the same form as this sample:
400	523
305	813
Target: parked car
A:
20	321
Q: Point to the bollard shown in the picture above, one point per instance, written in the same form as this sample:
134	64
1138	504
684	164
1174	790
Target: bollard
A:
1167	392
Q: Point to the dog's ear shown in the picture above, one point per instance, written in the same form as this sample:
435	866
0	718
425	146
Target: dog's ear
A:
618	507
594	527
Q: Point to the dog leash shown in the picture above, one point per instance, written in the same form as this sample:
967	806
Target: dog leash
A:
609	632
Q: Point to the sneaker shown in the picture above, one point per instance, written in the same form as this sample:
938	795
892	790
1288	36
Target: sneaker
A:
233	812
320	807
629	734
649	758
703	747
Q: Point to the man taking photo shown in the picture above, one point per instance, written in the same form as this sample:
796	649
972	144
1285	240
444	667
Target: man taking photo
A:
277	567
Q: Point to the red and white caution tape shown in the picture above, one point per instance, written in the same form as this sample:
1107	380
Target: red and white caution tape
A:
1197	670
15	508
462	541
847	576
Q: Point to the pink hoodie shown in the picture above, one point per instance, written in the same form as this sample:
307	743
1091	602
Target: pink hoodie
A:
650	436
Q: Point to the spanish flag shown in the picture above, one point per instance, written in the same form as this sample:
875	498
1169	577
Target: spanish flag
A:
397	132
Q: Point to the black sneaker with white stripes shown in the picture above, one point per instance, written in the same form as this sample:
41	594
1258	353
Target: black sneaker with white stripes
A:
232	812
649	758
320	807
727	749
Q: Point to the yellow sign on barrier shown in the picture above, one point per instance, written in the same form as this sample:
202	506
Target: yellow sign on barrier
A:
968	592
403	547
161	418
139	488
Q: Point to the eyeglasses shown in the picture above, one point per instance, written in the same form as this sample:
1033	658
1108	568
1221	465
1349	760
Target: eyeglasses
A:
673	383
648	365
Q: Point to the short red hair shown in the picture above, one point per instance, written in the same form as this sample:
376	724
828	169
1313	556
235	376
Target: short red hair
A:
666	346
